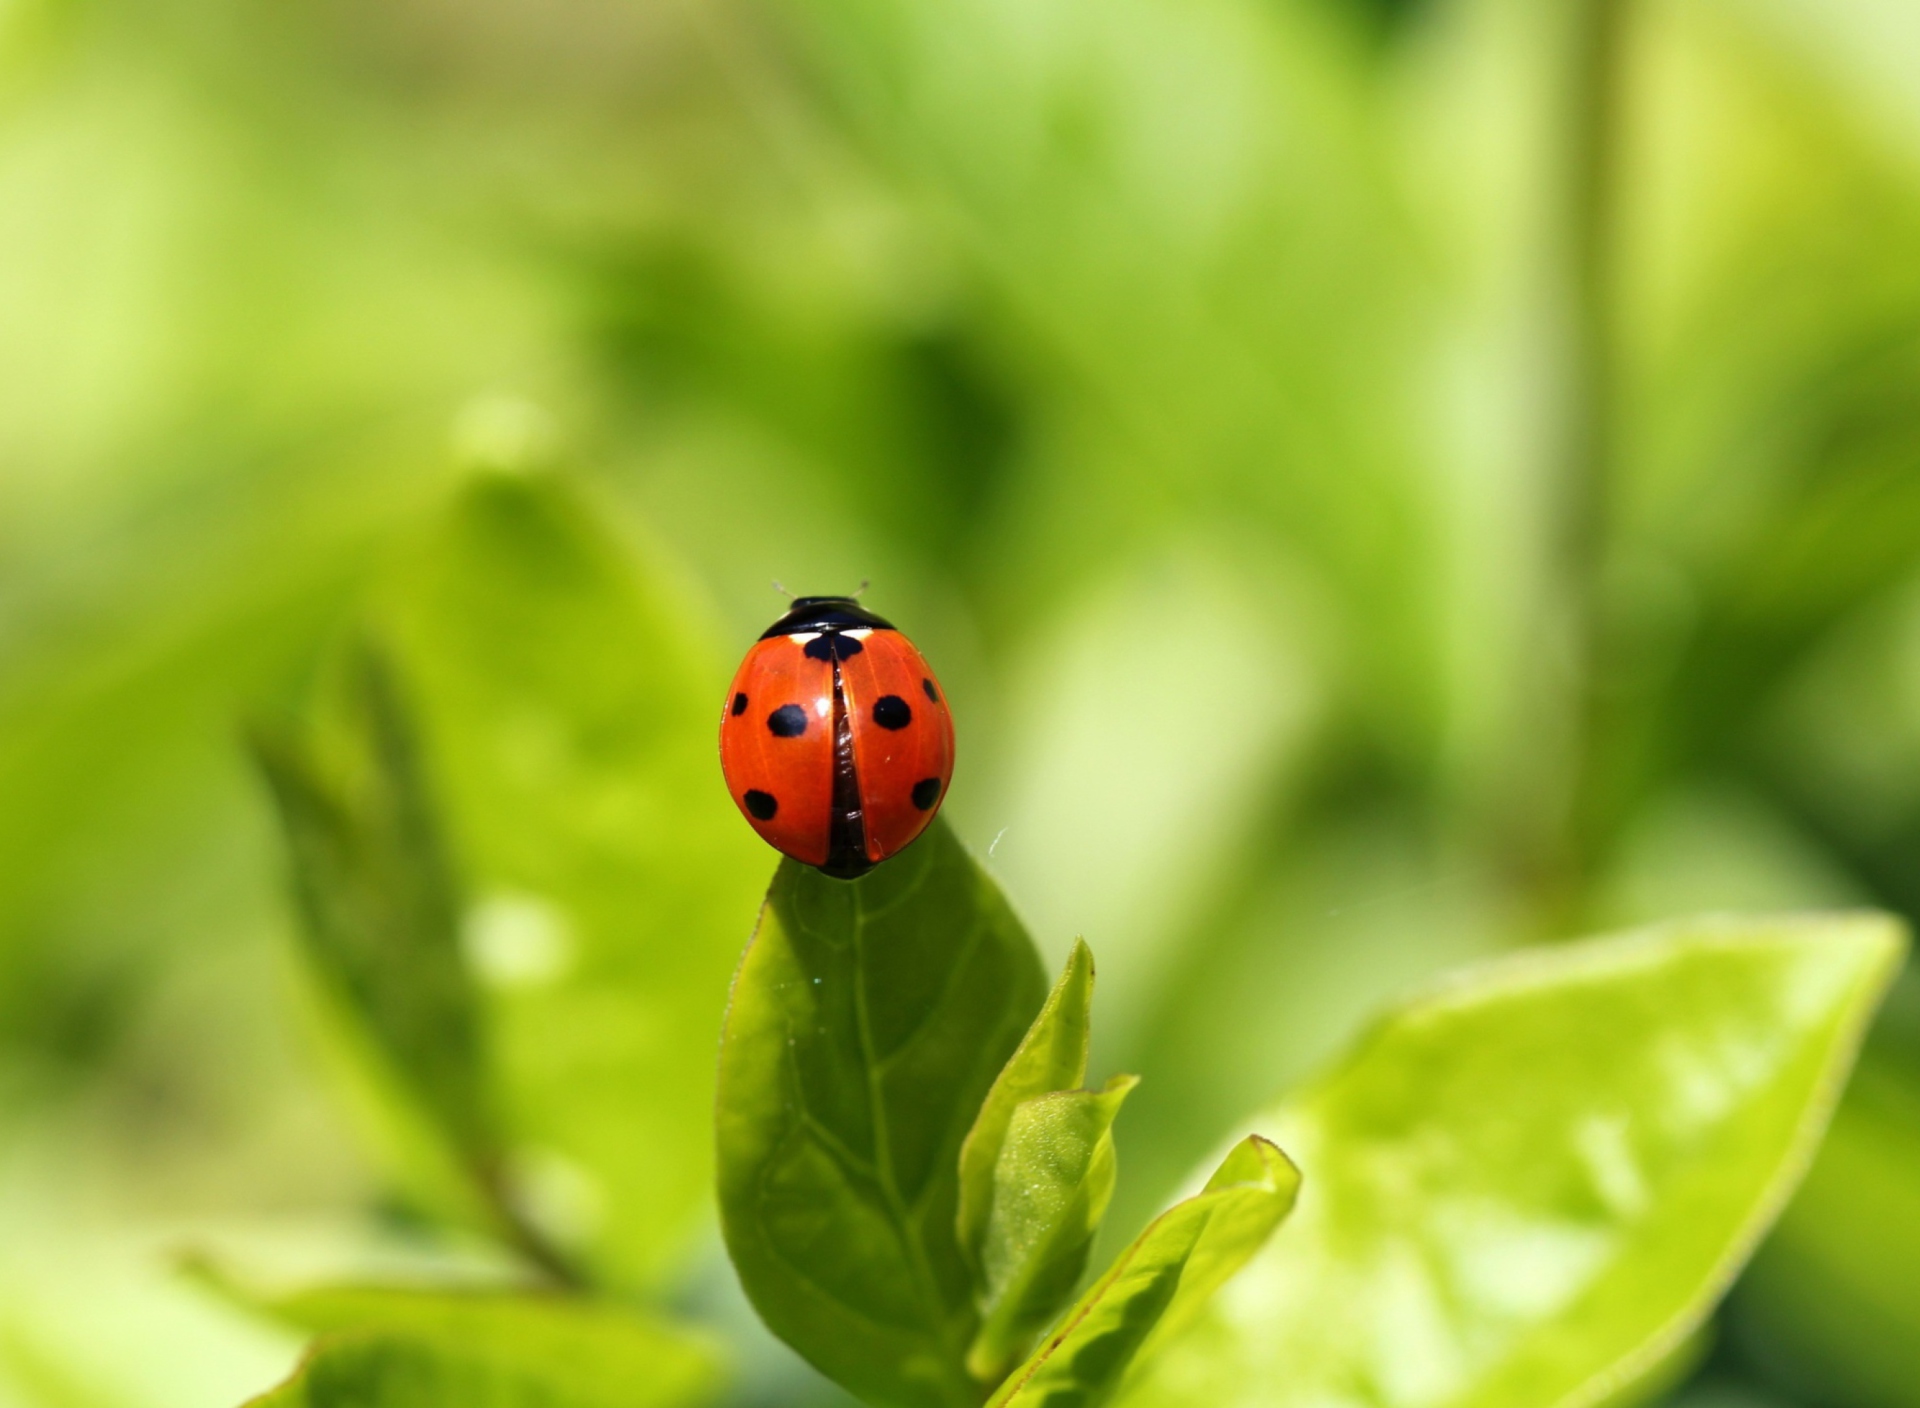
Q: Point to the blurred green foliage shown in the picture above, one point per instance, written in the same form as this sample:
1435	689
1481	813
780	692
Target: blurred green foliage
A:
1381	482
408	1350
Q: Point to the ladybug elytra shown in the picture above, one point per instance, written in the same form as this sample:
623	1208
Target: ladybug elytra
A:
835	737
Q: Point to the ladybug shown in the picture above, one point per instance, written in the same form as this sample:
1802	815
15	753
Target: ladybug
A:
835	737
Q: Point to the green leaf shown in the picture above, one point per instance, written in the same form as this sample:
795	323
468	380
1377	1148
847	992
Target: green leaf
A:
1052	1184
1051	1056
567	694
1155	1287
420	1349
868	1021
379	901
1530	1186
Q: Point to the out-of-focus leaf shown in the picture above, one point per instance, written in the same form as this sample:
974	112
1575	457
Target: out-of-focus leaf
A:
1051	1187
381	907
1531	1186
1832	1304
1051	1056
427	1350
868	1021
567	695
1160	1283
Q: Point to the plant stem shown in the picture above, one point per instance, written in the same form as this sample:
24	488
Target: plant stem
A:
1592	196
1587	450
523	1236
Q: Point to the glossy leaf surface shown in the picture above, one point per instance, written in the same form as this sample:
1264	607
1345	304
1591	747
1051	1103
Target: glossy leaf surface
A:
1052	1184
1051	1056
1529	1187
868	1020
427	1350
1156	1287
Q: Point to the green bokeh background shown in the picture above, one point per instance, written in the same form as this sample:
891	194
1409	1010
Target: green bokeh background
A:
1381	482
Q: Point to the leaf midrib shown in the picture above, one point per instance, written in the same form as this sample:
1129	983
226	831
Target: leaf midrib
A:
873	1069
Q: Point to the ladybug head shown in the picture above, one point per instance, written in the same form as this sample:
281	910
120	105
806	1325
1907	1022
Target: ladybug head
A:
825	613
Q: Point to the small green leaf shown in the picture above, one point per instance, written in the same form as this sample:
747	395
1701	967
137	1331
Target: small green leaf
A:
389	1348
380	906
1530	1187
1051	1056
1052	1184
1159	1283
868	1020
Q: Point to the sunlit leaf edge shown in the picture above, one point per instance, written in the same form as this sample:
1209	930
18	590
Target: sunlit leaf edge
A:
1540	966
1281	1177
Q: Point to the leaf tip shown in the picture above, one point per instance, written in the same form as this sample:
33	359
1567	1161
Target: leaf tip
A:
1883	939
1256	1160
1080	960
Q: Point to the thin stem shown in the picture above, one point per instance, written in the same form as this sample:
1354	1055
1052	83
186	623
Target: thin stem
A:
1593	194
523	1236
1564	857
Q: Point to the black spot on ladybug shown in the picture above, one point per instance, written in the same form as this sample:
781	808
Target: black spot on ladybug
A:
925	793
739	705
932	693
831	645
764	804
788	721
891	711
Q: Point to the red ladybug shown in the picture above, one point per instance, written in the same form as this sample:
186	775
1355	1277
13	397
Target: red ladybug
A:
835	737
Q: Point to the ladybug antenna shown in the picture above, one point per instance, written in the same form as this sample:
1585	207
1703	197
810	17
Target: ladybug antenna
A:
782	590
864	584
